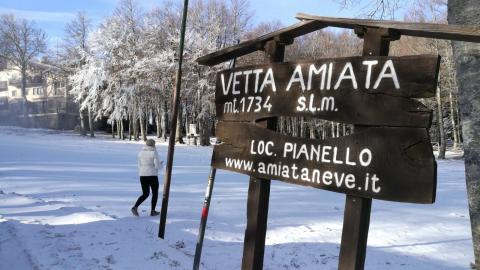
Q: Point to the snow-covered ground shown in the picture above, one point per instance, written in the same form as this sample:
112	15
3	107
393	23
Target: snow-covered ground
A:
65	204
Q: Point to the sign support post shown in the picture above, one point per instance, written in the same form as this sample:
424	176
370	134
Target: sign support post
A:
259	189
356	219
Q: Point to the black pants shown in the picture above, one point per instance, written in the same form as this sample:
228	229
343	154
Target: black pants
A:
148	182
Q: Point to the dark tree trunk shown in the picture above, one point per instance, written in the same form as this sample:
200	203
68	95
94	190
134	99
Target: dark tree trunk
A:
135	129
122	130
158	118
113	129
178	133
119	129
90	122
142	128
83	130
441	146
24	96
204	131
467	60
164	121
130	127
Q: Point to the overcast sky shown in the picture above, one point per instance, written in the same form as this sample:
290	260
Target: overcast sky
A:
51	15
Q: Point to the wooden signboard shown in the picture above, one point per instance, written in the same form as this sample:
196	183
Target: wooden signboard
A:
394	164
357	90
389	155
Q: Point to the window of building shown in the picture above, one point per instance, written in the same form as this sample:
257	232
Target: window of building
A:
59	84
38	91
3	86
14	93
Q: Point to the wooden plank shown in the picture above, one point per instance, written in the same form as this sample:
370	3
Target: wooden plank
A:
394	164
293	89
259	189
412	76
468	33
249	46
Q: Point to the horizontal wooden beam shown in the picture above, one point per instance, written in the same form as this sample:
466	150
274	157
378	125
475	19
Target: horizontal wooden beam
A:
256	44
468	33
311	23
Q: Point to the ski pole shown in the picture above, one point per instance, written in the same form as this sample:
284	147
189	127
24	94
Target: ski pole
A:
203	221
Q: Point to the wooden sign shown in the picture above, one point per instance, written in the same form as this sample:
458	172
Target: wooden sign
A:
357	90
394	164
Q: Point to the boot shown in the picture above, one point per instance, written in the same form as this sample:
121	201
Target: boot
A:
134	211
154	213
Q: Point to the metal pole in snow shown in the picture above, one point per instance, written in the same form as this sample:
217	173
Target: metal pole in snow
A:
203	221
171	140
206	204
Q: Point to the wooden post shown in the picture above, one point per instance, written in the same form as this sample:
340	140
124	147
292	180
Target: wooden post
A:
356	220
171	141
259	189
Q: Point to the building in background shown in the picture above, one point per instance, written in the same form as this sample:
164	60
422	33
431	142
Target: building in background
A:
48	103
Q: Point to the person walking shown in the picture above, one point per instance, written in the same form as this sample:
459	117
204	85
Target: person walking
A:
148	166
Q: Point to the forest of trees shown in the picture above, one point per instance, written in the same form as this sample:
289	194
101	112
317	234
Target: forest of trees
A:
124	69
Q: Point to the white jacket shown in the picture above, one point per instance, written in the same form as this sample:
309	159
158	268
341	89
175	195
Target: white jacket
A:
148	161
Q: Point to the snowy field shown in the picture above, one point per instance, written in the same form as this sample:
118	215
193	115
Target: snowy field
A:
65	204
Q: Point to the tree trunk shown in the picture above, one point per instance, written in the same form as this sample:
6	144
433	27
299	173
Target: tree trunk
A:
455	132
333	129
302	128
442	144
113	128
24	96
90	122
324	130
312	130
118	129
83	130
204	129
135	129
467	60
157	123
147	116
142	128
164	122
178	135
294	126
130	127
118	123
459	122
